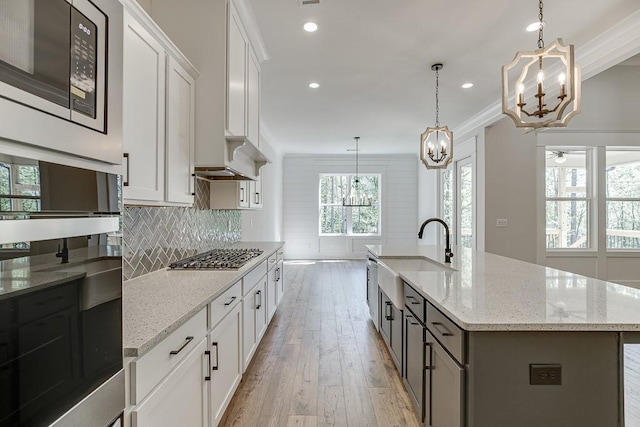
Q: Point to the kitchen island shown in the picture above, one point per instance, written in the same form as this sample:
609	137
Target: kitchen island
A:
504	342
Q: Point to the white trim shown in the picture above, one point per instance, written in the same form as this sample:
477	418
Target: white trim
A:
251	27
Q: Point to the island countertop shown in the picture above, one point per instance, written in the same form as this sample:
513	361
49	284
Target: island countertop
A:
156	304
480	291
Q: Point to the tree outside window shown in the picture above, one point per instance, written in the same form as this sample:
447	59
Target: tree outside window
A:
568	200
19	192
336	219
623	199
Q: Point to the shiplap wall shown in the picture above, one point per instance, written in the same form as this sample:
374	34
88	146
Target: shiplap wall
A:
399	182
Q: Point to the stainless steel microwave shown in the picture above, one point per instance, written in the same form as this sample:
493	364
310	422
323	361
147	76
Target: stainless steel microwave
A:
56	75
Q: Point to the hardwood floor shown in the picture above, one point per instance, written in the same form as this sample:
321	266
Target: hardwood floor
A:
321	362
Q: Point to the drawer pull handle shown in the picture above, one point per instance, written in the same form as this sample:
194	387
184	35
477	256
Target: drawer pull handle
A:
439	327
215	344
208	354
427	354
278	274
186	342
259	304
125	182
387	311
412	322
232	299
415	301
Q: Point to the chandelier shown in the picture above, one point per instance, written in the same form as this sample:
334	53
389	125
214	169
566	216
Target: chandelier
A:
550	99
355	199
436	143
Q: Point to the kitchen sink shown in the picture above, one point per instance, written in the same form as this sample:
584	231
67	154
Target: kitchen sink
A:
389	280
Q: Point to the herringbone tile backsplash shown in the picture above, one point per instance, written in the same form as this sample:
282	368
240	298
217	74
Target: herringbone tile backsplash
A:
154	237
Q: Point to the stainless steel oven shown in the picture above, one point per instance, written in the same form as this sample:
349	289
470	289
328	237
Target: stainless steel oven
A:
60	295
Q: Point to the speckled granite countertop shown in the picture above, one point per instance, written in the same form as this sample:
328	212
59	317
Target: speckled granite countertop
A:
156	304
29	273
480	291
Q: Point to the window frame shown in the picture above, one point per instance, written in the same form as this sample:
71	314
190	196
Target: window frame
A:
588	198
348	210
608	199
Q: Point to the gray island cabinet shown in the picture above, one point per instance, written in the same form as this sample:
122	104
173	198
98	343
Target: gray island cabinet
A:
489	341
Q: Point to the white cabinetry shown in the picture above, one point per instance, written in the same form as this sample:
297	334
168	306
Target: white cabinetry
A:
228	98
158	115
236	194
225	345
168	384
254	311
180	399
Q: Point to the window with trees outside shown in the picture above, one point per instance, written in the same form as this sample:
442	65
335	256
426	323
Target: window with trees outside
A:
623	199
568	197
19	192
336	219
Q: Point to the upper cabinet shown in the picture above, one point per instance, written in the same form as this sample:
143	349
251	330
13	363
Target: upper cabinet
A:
158	115
228	94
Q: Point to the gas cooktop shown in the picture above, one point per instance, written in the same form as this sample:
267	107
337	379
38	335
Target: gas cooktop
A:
217	259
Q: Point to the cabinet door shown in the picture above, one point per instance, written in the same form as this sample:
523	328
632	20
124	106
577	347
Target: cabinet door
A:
261	308
414	361
443	385
253	99
280	282
255	191
226	362
249	333
180	134
180	399
396	337
272	293
236	74
143	110
385	316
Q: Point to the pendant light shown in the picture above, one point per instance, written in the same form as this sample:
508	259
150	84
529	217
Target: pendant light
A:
356	200
545	84
436	143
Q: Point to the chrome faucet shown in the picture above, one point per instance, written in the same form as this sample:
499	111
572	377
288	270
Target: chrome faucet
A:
447	251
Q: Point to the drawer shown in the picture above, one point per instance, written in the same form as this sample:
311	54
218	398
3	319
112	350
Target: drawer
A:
414	302
48	301
280	254
148	370
272	260
253	277
446	332
219	307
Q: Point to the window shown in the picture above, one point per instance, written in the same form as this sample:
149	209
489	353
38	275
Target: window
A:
465	203
623	199
19	192
567	199
447	200
336	219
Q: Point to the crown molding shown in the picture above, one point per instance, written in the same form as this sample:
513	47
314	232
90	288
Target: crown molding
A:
251	27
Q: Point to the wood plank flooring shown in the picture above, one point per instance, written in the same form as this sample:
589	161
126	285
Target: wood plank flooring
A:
321	362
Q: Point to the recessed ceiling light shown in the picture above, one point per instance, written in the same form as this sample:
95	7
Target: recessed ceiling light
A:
310	27
467	85
314	85
535	26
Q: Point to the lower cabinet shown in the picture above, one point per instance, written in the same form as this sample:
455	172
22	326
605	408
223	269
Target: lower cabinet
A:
254	315
391	328
279	282
414	366
225	347
180	399
443	386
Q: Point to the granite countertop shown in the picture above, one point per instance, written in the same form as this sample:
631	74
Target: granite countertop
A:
480	291
156	304
30	273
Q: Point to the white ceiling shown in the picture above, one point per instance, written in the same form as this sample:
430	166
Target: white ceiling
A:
373	61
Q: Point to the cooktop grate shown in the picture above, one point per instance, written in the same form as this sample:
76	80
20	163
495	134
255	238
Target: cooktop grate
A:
217	259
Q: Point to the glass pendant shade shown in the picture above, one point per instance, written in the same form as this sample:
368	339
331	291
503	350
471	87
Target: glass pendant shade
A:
436	147
354	197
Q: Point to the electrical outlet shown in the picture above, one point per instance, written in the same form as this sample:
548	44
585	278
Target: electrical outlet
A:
502	223
545	374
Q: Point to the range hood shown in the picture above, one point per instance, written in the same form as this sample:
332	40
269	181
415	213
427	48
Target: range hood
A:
240	161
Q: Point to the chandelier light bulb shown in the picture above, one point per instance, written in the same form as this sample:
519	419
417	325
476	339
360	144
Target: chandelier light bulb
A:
540	76
562	78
